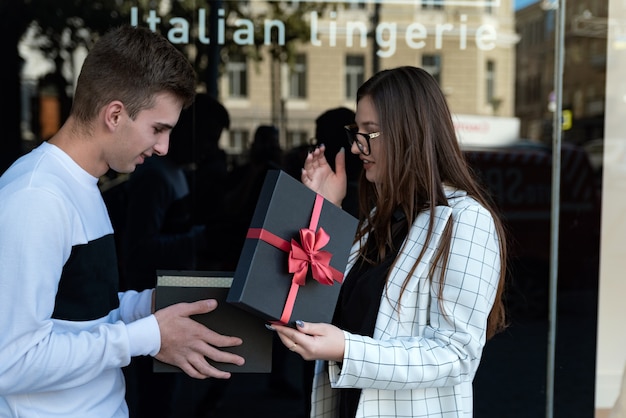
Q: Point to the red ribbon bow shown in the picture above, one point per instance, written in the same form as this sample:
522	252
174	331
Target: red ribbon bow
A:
301	256
310	253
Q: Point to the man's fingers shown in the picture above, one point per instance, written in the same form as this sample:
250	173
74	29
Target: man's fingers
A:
201	364
200	368
191	308
199	307
191	371
219	340
221	356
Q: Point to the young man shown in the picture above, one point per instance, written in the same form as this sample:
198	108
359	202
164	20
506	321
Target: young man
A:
65	331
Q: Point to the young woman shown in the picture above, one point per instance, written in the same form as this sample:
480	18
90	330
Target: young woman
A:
423	288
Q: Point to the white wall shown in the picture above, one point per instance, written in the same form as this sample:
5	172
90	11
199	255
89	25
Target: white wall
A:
611	342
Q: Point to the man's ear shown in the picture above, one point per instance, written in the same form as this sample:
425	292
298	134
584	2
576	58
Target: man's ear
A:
113	114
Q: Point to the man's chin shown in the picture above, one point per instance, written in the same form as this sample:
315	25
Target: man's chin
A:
125	170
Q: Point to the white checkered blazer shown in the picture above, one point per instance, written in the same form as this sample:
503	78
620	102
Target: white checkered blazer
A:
420	363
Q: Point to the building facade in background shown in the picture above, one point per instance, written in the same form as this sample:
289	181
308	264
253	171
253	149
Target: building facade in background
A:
469	49
584	75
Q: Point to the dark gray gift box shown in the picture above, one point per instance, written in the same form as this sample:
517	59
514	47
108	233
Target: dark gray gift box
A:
262	281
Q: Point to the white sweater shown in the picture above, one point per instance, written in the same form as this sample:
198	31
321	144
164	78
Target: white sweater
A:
65	332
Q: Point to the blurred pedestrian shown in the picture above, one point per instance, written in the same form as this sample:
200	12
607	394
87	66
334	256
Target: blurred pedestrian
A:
243	187
330	131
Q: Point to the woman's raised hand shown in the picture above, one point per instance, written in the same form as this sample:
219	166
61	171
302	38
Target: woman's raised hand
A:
318	176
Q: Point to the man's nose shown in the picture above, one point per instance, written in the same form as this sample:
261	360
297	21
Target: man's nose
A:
161	147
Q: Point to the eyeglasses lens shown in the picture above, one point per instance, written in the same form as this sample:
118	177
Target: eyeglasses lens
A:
355	136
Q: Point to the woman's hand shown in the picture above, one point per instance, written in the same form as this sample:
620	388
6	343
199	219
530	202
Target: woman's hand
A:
313	341
318	176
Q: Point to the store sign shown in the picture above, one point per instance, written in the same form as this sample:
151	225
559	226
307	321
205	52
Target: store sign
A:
486	130
387	34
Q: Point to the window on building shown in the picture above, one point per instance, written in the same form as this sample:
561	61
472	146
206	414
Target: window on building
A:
432	64
296	138
356	4
237	70
432	4
238	140
355	74
297	78
491	81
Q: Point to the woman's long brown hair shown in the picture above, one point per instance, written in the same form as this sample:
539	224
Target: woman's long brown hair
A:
420	154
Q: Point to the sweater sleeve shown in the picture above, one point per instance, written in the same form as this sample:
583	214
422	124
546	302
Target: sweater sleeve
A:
40	353
135	305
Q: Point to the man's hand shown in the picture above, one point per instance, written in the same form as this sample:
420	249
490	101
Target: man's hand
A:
185	342
318	176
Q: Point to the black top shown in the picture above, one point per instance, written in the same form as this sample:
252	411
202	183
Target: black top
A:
359	300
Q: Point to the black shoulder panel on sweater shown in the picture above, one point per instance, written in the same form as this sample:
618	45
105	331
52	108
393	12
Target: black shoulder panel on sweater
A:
89	282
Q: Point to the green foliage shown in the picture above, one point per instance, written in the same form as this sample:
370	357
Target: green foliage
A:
293	14
60	26
63	25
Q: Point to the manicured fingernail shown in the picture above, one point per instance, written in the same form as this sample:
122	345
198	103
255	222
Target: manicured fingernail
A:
299	323
270	327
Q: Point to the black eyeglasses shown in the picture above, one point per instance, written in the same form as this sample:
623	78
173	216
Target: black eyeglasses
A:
362	139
